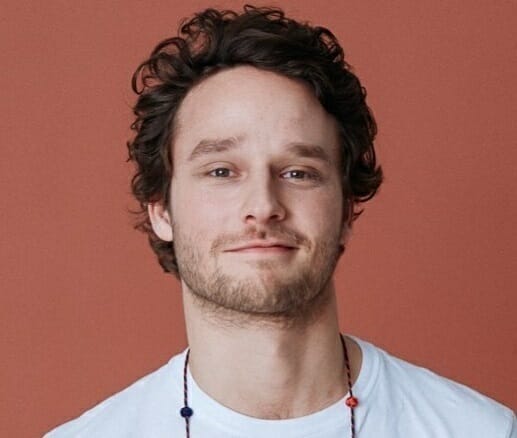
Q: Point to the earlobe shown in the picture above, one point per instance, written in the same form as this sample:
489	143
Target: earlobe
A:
160	221
346	231
346	224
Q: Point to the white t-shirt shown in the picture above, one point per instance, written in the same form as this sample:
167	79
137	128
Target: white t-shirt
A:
396	400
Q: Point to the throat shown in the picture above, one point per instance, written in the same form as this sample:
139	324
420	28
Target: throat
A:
271	396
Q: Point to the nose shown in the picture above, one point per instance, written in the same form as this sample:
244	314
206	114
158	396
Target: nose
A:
261	202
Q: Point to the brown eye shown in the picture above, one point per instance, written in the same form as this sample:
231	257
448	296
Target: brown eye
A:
301	174
298	174
220	172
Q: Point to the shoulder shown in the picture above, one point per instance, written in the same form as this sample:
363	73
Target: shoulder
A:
428	396
128	411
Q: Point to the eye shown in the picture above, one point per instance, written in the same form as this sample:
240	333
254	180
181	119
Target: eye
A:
302	174
220	172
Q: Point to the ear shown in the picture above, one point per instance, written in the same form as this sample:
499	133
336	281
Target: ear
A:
160	221
346	231
346	228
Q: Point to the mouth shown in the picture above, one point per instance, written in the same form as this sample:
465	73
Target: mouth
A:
274	249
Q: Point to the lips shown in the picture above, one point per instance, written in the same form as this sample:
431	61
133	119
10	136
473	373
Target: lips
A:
263	246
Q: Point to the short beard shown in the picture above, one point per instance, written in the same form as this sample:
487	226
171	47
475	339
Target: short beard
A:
284	301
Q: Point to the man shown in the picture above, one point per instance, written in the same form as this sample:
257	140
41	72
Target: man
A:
254	146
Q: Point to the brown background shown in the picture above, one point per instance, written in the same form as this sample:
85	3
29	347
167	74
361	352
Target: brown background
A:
430	273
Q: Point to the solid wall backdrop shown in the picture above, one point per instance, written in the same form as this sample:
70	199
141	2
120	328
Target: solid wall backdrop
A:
430	272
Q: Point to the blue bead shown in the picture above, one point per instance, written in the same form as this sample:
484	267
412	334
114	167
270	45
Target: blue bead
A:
186	412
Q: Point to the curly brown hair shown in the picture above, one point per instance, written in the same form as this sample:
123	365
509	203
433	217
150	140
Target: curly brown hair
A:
265	38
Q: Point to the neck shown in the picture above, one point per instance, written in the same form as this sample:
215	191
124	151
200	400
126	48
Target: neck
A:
269	370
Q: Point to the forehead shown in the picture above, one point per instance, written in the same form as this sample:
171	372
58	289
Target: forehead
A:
265	108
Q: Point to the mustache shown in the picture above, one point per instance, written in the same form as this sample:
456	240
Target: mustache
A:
282	233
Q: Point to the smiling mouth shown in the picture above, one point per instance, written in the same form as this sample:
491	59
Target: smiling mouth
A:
264	250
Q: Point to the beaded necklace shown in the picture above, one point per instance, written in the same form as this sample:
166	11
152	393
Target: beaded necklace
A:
187	412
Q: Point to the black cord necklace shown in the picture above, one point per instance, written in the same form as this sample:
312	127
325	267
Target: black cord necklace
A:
186	412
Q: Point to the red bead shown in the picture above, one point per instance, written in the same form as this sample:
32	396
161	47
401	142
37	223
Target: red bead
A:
351	402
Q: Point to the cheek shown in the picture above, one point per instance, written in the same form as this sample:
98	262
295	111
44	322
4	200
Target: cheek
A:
198	212
322	212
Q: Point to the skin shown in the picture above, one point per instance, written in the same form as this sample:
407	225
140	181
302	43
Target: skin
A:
262	322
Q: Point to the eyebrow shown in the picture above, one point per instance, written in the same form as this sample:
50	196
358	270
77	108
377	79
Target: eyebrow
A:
309	151
211	146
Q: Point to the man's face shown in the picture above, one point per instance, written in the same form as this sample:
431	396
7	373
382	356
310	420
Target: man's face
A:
255	160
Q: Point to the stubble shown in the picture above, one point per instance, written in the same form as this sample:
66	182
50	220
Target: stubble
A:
268	294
